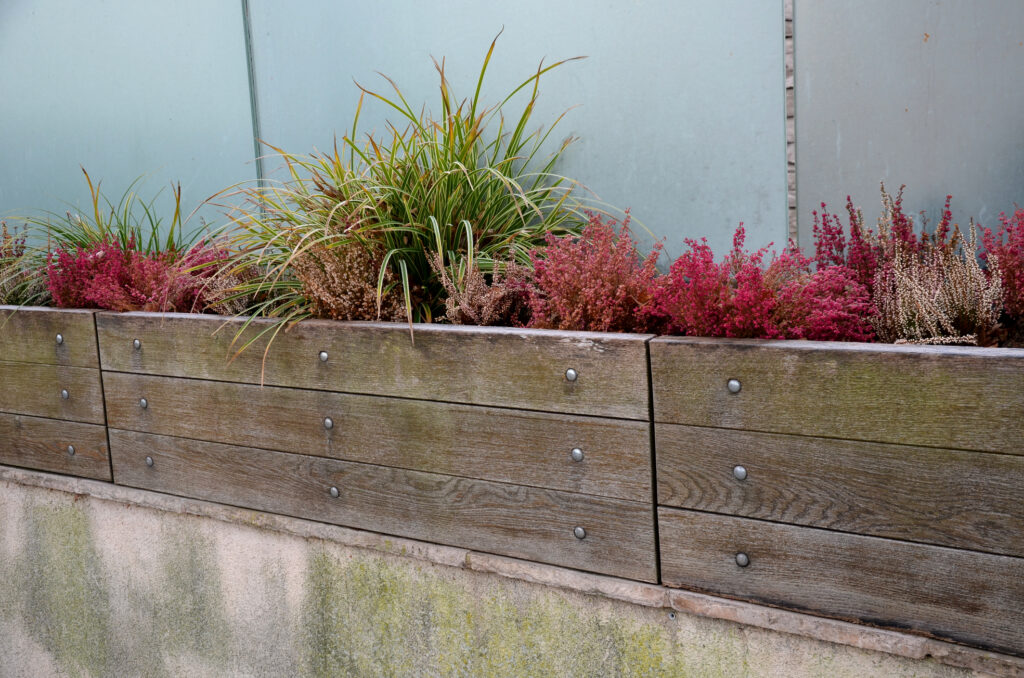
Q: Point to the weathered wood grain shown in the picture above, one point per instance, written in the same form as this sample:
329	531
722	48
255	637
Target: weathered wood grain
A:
35	389
952	397
514	446
42	444
29	335
971	500
499	518
477	365
974	598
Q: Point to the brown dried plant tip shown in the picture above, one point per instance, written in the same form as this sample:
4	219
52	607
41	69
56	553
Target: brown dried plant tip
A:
472	301
340	281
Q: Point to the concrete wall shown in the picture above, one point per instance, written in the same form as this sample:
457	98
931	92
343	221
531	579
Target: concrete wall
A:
101	587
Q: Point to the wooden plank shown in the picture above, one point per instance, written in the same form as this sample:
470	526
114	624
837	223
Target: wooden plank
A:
515	446
971	500
35	389
974	598
42	444
502	367
941	396
29	335
499	518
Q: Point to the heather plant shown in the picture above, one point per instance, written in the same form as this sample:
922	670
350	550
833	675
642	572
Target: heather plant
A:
117	276
21	281
742	297
1007	248
938	294
702	297
596	281
475	298
340	280
431	176
828	304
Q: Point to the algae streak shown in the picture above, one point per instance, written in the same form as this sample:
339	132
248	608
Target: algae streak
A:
68	603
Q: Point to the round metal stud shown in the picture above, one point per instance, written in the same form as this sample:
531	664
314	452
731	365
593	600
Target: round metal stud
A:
739	472
328	423
71	450
577	454
335	492
64	394
323	356
734	385
136	344
742	559
579	532
149	461
143	403
60	339
571	374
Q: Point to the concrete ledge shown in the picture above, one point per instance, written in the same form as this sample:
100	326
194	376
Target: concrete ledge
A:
647	595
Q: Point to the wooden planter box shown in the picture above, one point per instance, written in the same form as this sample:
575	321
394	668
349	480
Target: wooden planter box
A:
879	483
51	398
463	437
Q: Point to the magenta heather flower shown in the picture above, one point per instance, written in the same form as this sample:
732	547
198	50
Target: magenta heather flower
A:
108	276
597	281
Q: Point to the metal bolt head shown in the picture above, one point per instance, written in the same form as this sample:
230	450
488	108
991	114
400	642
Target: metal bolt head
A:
136	344
143	403
742	559
60	339
149	461
71	450
328	423
64	394
335	492
571	374
579	532
734	385
739	472
323	356
577	454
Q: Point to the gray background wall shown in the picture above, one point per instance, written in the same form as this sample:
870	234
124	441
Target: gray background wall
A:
680	107
680	104
123	88
923	92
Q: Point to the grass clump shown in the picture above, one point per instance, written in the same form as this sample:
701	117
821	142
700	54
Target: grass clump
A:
460	188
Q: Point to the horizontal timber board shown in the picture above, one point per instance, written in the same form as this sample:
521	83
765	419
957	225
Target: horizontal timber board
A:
969	597
503	367
43	445
511	520
970	500
504	445
29	335
35	389
940	396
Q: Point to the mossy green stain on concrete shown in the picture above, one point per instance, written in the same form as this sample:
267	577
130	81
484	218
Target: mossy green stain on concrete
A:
363	619
67	604
190	610
369	618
